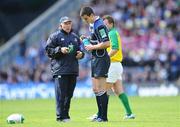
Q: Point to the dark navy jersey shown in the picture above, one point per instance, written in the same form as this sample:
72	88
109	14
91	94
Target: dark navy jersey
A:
99	34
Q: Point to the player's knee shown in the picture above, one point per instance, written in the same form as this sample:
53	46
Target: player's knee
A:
109	91
95	90
117	92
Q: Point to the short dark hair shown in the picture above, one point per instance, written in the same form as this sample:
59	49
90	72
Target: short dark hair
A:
109	18
86	11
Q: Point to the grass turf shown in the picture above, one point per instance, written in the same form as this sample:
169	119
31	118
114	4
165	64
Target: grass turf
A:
150	112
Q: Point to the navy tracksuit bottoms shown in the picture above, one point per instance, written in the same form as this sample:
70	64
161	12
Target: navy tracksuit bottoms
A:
64	88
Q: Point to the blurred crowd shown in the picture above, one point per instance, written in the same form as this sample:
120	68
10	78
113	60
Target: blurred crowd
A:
150	33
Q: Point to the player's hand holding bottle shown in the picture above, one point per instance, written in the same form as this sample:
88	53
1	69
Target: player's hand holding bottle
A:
85	40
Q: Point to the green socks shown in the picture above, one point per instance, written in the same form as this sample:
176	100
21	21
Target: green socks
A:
125	102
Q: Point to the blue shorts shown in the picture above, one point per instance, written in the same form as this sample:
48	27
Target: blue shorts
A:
100	66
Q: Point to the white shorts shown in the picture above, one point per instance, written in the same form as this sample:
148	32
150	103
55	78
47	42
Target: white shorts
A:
115	72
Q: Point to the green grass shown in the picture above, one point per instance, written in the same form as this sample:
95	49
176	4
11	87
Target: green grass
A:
150	112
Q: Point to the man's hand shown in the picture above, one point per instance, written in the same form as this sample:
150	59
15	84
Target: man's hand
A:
65	50
102	45
79	55
82	37
89	47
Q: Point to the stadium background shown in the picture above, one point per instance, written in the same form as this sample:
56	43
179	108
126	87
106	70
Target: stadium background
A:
150	32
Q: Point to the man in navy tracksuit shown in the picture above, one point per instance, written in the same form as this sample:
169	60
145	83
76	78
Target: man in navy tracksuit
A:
63	48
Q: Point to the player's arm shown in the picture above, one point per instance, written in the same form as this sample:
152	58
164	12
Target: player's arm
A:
102	36
114	44
103	45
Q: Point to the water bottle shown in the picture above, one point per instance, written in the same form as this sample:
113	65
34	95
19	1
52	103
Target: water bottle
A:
86	41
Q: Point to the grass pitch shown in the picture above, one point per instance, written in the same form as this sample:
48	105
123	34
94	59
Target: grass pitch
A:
150	112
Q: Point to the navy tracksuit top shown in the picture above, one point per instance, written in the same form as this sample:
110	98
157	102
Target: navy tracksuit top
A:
63	64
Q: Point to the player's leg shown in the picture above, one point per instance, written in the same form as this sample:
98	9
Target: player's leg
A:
101	98
102	95
119	91
108	87
112	78
100	70
95	90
